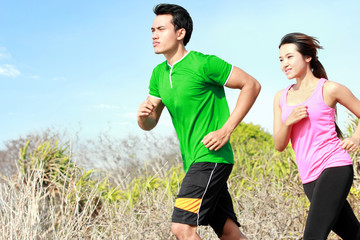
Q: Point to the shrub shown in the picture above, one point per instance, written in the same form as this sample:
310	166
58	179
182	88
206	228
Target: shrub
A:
52	197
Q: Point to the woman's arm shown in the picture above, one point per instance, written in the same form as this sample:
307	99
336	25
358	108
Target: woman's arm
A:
337	93
282	130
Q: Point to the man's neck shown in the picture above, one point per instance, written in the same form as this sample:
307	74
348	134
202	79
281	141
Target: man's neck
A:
173	57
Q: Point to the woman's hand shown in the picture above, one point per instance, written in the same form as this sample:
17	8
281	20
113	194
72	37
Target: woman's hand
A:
296	115
350	144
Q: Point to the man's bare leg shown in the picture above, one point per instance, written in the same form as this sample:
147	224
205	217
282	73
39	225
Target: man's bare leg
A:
184	231
231	231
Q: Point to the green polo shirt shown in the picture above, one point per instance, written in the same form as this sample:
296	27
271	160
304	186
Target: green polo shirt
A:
193	92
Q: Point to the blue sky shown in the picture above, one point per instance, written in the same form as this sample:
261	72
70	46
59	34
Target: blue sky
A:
86	64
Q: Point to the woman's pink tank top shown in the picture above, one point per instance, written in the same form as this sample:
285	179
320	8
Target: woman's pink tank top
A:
314	139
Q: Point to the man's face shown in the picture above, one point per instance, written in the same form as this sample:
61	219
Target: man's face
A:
165	38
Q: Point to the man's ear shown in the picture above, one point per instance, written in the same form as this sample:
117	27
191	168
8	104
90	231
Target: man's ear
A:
181	33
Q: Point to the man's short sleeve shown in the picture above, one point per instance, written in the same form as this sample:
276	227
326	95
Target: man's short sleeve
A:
154	84
217	70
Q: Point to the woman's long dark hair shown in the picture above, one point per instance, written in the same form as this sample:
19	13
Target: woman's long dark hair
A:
308	46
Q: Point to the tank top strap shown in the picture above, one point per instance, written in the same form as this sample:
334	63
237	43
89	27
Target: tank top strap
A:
284	94
318	92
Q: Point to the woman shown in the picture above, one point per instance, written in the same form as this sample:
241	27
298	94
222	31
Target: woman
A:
304	113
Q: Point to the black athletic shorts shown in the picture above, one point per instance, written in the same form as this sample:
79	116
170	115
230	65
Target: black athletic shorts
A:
204	198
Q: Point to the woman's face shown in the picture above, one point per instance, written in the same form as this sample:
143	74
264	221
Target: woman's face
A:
292	63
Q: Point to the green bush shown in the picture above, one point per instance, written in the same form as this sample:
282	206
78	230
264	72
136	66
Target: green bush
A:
61	177
54	198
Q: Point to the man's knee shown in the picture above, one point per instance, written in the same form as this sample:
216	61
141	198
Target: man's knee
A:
176	228
183	231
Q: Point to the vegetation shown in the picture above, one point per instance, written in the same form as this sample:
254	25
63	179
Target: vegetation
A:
52	194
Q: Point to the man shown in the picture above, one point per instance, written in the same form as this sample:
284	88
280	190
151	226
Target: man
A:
190	85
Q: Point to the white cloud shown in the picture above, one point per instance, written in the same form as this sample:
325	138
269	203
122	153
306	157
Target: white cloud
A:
59	79
130	115
8	70
104	106
32	76
4	53
124	123
86	94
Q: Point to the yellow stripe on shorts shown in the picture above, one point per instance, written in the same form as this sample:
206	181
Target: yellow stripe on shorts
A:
188	204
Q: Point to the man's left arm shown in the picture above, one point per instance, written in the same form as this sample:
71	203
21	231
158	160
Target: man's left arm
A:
250	89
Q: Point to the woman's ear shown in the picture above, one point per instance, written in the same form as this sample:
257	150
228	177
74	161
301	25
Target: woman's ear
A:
308	59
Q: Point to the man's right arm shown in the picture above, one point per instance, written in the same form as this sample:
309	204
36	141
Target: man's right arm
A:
149	113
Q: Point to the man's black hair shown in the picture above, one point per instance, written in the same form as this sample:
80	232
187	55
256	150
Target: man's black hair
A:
181	18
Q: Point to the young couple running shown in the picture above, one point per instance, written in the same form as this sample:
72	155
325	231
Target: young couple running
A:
191	86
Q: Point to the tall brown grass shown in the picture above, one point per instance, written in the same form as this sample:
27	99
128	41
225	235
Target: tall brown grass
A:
135	200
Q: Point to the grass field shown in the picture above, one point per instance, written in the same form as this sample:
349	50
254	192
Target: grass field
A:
52	195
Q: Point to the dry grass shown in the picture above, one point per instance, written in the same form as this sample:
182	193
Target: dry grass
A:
267	195
267	210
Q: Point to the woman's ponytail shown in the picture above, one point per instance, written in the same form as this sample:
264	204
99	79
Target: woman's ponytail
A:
317	68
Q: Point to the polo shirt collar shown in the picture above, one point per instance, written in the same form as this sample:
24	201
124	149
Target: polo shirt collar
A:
179	59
